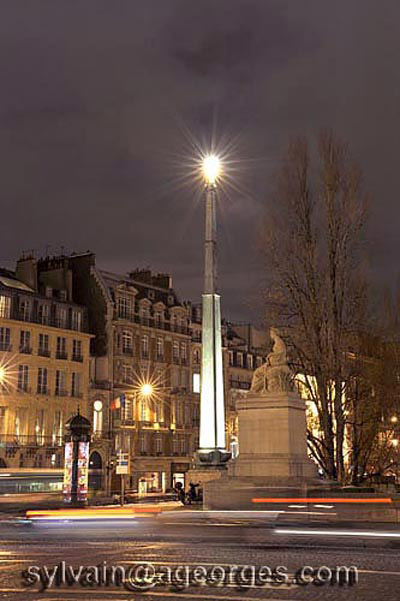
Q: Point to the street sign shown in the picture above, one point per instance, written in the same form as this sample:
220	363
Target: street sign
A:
122	463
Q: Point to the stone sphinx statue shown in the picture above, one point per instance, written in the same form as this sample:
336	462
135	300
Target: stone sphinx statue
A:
274	375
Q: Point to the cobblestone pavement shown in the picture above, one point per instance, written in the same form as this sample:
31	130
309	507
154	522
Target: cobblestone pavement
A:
166	546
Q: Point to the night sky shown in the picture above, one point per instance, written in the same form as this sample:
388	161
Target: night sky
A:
102	104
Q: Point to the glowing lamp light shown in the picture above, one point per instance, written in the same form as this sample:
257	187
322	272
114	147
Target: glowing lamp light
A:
395	442
2	374
394	419
146	389
211	168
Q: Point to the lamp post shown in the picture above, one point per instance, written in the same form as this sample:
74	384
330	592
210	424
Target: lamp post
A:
212	451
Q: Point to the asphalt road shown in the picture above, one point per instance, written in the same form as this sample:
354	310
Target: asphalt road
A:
212	546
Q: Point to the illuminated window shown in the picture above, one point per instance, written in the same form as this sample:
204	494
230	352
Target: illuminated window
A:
230	355
175	351
76	320
143	410
5	307
250	361
196	383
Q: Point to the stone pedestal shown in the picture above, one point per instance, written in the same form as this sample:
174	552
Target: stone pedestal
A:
272	459
272	439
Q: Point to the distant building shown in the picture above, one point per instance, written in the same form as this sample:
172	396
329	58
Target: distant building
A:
142	333
44	363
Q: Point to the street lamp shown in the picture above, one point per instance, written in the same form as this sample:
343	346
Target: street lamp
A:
211	452
146	389
2	374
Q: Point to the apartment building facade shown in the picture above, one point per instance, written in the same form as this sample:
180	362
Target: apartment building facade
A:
44	368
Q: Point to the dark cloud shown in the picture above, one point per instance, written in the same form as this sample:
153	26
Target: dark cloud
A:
97	98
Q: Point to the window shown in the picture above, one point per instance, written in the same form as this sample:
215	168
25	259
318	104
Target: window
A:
158	319
145	347
183	352
183	446
39	427
159	413
239	359
61	317
77	350
61	347
159	445
76	320
44	345
76	384
143	443
127	342
259	361
3	419
42	382
5	307
25	310
25	341
124	307
5	339
57	428
127	374
179	414
143	411
196	383
160	348
20	421
60	383
43	314
250	361
175	351
175	446
196	356
23	378
187	414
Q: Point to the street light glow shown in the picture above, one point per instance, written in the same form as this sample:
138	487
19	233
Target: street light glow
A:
146	389
2	374
211	168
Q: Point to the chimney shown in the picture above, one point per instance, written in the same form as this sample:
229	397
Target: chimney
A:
26	270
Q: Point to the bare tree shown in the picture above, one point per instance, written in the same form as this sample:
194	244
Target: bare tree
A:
315	291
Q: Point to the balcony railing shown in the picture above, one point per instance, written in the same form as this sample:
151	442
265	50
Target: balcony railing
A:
153	323
23	388
76	357
27	350
127	351
61	355
44	352
31	440
61	392
43	390
5	347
